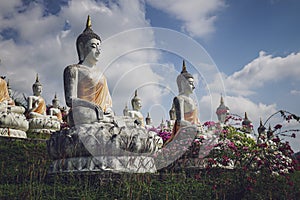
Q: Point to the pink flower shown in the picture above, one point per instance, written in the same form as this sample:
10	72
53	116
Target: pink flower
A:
209	123
276	139
278	126
231	145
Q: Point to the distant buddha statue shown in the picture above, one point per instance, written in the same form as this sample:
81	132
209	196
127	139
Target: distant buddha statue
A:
172	115
36	103
55	110
148	120
135	112
125	111
86	92
4	96
6	102
185	107
13	122
39	121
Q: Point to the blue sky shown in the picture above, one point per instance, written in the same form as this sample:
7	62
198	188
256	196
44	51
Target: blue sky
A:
247	50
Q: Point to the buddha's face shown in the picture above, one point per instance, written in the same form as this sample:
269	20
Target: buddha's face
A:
137	105
55	104
37	90
92	50
191	85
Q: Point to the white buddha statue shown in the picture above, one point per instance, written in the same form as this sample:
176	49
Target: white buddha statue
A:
6	102
86	91
36	103
39	121
135	112
94	130
185	107
172	115
55	109
13	122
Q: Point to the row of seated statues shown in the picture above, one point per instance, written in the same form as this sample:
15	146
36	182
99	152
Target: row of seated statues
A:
97	139
16	121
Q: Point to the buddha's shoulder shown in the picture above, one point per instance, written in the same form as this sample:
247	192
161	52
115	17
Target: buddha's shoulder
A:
71	70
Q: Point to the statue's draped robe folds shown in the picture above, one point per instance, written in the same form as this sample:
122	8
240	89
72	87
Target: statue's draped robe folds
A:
190	117
82	90
41	108
4	96
94	91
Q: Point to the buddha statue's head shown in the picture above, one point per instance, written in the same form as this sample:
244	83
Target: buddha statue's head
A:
37	87
88	44
136	102
55	102
185	81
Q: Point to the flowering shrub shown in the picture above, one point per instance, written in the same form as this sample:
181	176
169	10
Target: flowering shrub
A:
255	162
163	133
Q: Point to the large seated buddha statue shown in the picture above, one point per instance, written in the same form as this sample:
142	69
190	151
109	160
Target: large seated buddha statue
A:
39	121
86	92
97	139
13	122
185	107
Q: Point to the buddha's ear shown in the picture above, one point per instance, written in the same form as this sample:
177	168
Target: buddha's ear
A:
81	52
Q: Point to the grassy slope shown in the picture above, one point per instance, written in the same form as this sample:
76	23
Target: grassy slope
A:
24	166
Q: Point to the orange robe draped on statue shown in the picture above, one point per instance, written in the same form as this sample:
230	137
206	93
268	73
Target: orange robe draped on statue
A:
3	91
96	92
41	109
190	117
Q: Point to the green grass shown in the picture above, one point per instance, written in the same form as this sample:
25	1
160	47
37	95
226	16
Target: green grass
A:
24	165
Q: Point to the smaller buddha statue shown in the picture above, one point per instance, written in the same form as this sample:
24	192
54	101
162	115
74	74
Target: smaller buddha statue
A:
125	111
148	120
36	103
6	102
55	109
172	115
185	108
39	121
13	122
135	112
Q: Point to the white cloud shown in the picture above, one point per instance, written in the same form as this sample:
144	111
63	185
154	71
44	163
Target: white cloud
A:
44	47
266	68
198	16
7	8
262	70
295	92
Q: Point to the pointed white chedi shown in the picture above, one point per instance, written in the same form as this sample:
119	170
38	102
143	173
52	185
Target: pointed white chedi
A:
222	111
